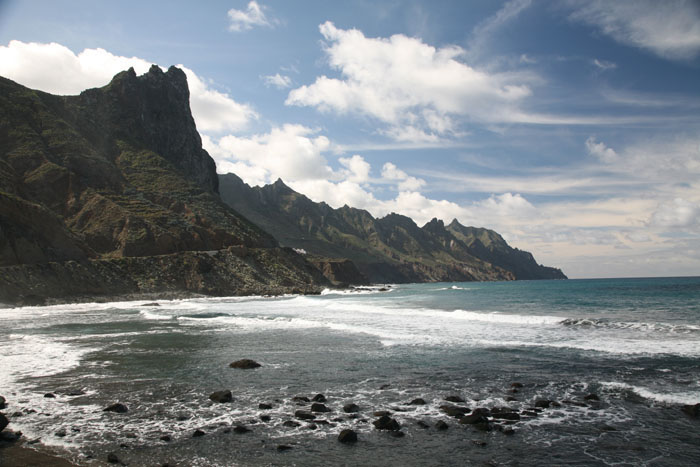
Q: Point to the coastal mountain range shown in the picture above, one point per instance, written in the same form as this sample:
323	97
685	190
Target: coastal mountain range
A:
109	194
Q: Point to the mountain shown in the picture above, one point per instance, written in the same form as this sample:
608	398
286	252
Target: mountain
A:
390	249
110	193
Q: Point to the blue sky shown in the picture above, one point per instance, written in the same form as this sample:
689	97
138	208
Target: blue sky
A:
571	127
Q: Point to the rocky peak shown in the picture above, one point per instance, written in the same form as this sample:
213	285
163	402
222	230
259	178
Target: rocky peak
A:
152	112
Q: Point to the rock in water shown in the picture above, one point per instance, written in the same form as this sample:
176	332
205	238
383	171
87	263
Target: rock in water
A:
418	401
3	421
304	415
441	425
221	396
318	407
3	403
319	398
386	423
351	408
692	410
245	364
240	429
118	408
347	436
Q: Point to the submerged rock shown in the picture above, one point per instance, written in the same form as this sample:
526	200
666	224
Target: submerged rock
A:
245	364
304	415
117	408
264	406
418	401
291	423
441	425
240	429
347	436
221	396
283	447
454	399
454	410
197	433
318	407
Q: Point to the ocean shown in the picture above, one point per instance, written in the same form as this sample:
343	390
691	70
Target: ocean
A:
596	370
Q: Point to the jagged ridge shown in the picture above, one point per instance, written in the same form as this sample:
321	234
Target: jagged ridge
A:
390	249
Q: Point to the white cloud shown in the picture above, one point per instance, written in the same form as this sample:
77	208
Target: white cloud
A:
604	65
278	81
56	69
600	150
484	30
676	213
411	86
405	182
290	152
356	168
254	15
669	28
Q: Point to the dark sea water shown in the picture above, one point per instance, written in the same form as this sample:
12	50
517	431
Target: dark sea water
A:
634	343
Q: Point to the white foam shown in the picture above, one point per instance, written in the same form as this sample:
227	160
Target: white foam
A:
688	397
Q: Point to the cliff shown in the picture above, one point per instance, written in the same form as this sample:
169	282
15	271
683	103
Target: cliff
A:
119	172
389	249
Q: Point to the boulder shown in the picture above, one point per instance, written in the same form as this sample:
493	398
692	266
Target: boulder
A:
304	415
418	401
692	410
264	406
265	418
386	423
381	413
347	436
50	395
221	396
351	408
245	364
319	398
197	433
318	407
291	424
454	410
166	438
117	408
473	419
543	403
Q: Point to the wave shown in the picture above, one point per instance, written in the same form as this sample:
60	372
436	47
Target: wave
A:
688	397
645	327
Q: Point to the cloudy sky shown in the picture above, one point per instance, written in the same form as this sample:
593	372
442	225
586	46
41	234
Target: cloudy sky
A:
571	127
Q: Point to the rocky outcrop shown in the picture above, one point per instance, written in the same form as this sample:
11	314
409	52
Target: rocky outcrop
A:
119	172
340	271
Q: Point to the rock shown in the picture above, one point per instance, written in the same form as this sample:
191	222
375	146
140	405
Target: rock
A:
529	413
576	403
318	407
473	419
291	423
454	410
312	426
263	406
504	413
692	410
117	408
265	418
301	399
50	395
112	458
351	408
381	413
151	304
319	398
166	438
3	421
418	401
76	392
127	435
61	432
454	399
245	364
422	424
440	425
384	386
283	447
386	423
591	397
304	415
240	429
3	403
543	403
197	433
221	396
347	436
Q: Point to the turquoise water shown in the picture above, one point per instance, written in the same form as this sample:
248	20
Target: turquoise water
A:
635	343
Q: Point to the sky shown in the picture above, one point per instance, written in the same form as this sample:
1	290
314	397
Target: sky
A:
571	127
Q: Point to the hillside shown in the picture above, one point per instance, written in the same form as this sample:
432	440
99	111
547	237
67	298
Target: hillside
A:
390	249
114	176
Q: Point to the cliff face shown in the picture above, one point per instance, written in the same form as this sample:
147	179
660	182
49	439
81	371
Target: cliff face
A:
390	249
114	172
